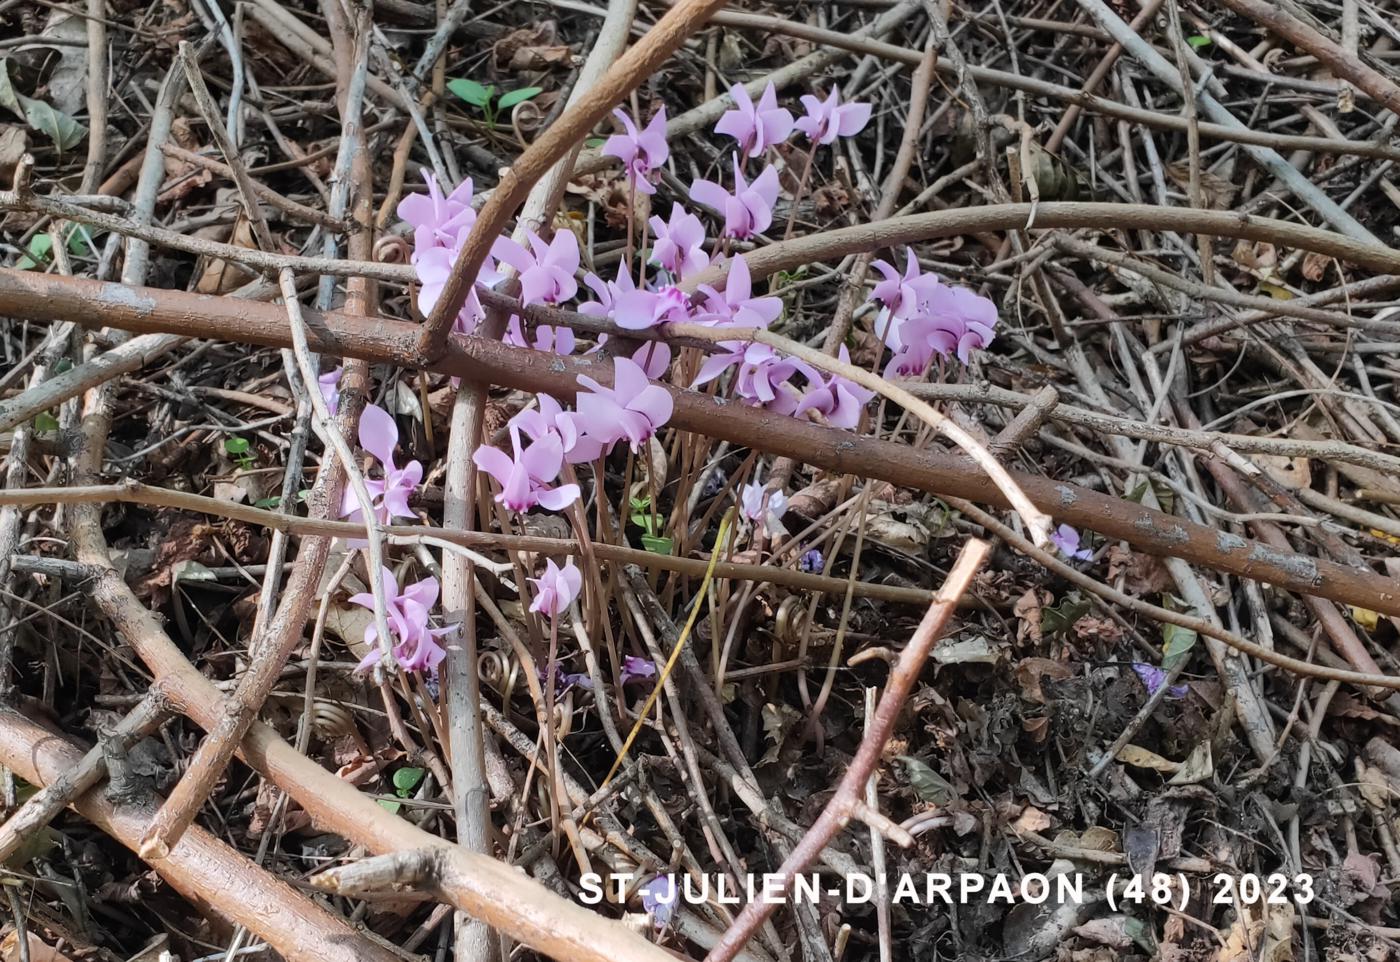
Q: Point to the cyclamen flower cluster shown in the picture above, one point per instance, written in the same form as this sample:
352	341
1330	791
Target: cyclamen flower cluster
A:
919	317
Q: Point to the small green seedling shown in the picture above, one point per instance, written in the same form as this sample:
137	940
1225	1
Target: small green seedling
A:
484	96
652	526
241	451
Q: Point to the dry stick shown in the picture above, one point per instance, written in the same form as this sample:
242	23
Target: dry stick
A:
285	204
210	110
1332	55
203	869
1265	157
1036	520
1202	626
568	131
1105	64
133	492
32	296
44	805
96	95
847	802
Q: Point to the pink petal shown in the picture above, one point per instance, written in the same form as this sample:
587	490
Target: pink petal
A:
557	499
379	434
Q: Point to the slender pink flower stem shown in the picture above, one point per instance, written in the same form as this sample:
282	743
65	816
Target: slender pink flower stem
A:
801	191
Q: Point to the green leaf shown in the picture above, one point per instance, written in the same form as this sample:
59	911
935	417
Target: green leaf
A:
471	91
593	143
45	423
390	804
62	129
1177	643
657	544
1198	41
927	784
509	100
406	780
236	446
40	246
268	503
1063	616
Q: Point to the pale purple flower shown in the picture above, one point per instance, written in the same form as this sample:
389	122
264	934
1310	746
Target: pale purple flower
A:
641	152
556	589
752	506
552	420
433	266
638	310
903	295
526	478
755	126
836	398
1152	679
680	243
546	270
548	338
438	221
329	384
633	408
762	376
749	209
828	119
388	495
607	292
736	306
653	357
660	898
961	320
637	669
811	561
1067	540
415	645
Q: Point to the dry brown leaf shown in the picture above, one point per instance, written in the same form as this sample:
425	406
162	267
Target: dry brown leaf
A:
1291	473
221	276
1028	610
39	950
1139	757
1032	820
1031	672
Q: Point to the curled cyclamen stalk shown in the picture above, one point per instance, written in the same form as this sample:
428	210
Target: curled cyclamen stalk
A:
415	645
756	126
525	479
641	152
379	435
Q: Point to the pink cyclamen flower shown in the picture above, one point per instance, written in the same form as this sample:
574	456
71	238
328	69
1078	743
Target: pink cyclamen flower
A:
961	319
660	898
838	399
552	419
641	152
755	126
633	408
680	243
433	266
607	292
749	209
389	496
438	221
546	270
736	306
415	645
903	295
329	384
556	589
762	378
547	337
526	478
639	310
828	119
1067	540
653	357
752	506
